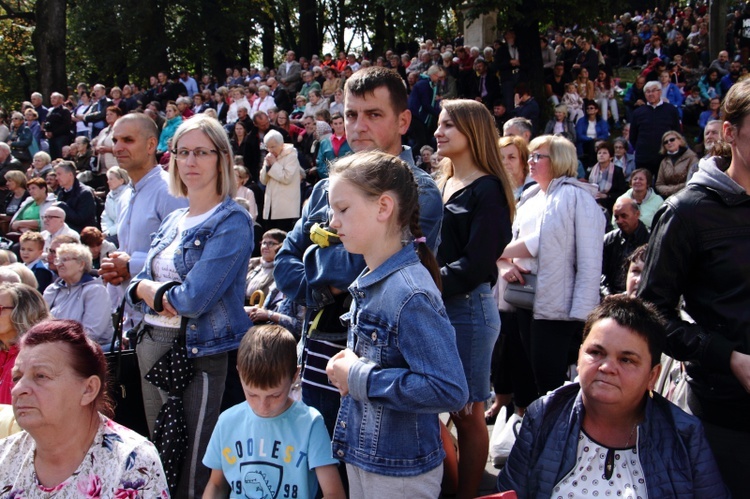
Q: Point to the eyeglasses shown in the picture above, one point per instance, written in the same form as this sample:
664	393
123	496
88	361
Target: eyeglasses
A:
669	140
200	154
47	217
58	261
535	157
3	308
269	244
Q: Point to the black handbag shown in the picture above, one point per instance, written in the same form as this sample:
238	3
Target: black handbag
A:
125	380
521	295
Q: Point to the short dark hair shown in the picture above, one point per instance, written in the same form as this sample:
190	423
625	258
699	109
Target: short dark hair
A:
639	316
367	80
267	356
606	145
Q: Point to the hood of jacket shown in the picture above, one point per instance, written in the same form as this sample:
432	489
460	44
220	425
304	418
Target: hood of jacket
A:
711	174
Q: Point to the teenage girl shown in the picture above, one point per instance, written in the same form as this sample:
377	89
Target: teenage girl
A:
478	209
401	367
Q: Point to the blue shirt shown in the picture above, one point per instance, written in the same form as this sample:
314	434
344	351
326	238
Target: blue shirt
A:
272	456
150	203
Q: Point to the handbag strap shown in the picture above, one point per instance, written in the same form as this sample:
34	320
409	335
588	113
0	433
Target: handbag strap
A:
118	321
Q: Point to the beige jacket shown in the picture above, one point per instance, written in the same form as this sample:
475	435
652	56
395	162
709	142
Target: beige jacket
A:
282	181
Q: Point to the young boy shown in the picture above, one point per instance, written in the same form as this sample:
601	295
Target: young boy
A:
32	246
272	446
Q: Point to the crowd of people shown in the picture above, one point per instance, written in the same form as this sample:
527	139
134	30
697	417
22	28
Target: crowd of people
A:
316	260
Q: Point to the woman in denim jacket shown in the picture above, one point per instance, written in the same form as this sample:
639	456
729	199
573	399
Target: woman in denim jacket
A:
401	367
195	274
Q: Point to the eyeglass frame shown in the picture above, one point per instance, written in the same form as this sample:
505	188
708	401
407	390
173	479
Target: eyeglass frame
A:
202	155
535	157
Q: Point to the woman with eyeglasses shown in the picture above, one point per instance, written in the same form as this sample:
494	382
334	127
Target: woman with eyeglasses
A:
677	162
558	237
21	307
192	287
79	296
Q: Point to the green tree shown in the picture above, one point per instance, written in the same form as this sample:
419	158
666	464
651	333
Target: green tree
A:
529	17
48	17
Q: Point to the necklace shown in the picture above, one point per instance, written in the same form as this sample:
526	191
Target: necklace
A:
609	462
464	180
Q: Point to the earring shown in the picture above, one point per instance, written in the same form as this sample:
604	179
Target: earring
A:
651	393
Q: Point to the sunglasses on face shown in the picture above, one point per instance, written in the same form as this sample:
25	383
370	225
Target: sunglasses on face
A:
669	140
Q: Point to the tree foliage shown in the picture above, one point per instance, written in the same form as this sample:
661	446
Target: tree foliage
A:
114	41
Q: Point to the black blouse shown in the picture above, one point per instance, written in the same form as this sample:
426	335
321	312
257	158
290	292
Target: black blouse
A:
476	229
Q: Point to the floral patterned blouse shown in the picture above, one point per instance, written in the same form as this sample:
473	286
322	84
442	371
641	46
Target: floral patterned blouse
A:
120	464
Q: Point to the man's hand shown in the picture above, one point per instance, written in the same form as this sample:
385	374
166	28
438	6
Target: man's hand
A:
114	270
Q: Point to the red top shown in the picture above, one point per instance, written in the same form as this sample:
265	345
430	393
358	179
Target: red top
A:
7	359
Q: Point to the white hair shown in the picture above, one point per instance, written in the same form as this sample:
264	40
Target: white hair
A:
273	136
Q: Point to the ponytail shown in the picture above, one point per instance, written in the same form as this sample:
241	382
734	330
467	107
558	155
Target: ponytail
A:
423	250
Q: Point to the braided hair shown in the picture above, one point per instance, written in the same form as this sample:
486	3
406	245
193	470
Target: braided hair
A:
376	173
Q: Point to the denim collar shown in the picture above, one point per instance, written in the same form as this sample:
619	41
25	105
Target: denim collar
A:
405	257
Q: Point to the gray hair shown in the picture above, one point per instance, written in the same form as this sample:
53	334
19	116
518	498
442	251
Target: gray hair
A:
521	123
651	84
273	136
81	252
8	276
120	173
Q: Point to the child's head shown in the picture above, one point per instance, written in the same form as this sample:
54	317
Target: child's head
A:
635	263
570	88
32	245
370	189
267	364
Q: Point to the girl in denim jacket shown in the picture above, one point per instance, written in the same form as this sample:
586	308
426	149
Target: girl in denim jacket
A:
401	367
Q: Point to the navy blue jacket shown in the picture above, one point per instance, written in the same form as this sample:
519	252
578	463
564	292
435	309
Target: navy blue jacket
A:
674	453
421	104
648	126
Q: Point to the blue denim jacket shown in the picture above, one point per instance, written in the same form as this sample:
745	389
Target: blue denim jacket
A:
304	271
212	263
408	371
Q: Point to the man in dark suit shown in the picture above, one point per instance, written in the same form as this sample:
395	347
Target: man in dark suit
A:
486	86
508	64
57	125
280	95
290	73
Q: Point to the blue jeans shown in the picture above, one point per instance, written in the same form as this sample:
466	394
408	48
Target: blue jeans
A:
475	317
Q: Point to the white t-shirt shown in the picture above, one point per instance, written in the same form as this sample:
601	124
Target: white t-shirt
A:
164	270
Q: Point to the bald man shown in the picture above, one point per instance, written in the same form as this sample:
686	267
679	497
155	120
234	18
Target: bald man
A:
54	225
620	243
135	137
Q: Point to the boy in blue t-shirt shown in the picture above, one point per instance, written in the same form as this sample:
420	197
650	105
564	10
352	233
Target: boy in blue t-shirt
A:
271	447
